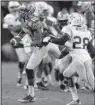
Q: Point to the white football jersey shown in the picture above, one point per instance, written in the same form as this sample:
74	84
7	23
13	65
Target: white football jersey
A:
11	20
80	37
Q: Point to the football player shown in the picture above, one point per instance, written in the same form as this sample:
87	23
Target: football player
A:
11	22
77	39
34	27
50	22
84	8
62	17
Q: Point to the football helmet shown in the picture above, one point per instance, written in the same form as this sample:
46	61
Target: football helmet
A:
13	6
83	6
76	19
41	9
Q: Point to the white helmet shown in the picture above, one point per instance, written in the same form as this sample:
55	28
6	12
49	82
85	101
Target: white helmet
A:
83	6
76	19
41	7
13	5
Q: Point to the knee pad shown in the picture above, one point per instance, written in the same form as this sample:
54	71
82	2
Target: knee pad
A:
30	76
21	66
50	66
70	82
77	85
46	69
61	77
57	74
62	86
66	82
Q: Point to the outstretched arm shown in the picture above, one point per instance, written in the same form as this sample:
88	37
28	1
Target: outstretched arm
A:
62	40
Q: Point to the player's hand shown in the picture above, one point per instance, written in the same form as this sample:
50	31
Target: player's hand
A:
68	45
46	40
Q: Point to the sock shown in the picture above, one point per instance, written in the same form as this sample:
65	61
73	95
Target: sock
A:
74	93
49	78
30	77
21	67
19	75
31	91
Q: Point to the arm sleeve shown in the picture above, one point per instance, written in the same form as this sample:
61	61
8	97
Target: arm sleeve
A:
66	36
62	40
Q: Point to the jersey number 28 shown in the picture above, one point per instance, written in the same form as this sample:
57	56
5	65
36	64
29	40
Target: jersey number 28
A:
79	41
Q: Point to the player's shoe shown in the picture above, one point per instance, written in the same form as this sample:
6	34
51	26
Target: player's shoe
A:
24	72
66	90
41	86
75	102
25	87
27	99
45	82
84	88
19	82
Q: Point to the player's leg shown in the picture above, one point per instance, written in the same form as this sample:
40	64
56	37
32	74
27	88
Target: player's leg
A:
47	66
22	58
68	73
63	64
33	62
89	74
50	65
39	81
93	63
39	73
56	70
47	74
53	51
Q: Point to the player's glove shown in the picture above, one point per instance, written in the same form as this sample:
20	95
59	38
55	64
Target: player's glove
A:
45	41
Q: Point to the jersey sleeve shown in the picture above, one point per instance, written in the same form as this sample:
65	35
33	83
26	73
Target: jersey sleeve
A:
8	20
11	20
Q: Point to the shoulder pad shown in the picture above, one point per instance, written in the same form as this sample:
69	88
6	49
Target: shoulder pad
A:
8	16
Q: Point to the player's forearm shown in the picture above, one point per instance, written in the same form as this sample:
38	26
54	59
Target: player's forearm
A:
61	41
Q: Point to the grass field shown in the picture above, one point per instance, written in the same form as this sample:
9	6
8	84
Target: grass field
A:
11	93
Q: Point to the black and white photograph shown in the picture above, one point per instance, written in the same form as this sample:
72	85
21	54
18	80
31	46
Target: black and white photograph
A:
47	52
